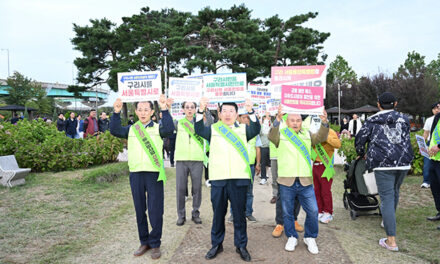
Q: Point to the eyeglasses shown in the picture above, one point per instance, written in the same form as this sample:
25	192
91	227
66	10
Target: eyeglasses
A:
190	107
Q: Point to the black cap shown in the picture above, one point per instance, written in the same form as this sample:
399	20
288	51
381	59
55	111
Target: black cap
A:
387	98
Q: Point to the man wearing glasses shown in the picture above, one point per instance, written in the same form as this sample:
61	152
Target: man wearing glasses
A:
189	156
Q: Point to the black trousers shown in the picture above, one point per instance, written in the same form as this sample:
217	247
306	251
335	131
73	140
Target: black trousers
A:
141	182
235	191
265	162
434	177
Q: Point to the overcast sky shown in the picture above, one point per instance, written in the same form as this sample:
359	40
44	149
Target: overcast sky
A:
372	36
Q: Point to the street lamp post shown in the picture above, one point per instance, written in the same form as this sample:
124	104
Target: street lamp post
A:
339	104
165	71
348	85
7	50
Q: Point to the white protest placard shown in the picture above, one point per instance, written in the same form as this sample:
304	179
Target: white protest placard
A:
228	87
259	93
311	75
139	86
185	90
176	111
422	146
272	106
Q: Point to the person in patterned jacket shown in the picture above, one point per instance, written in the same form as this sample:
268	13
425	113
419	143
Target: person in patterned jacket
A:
389	155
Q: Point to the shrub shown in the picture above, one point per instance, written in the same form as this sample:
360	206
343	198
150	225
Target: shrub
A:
347	149
40	146
108	173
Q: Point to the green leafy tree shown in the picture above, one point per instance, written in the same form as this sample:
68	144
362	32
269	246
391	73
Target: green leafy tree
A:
434	69
414	85
294	44
339	72
22	89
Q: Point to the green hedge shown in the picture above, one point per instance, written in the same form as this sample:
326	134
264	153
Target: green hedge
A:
40	146
348	150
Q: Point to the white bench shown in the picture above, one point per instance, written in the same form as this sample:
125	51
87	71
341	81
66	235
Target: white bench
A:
10	173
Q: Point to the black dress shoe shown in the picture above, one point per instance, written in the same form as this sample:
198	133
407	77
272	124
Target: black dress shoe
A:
434	218
180	221
196	220
212	253
244	254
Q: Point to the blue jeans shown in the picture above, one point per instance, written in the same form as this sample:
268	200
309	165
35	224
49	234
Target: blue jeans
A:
426	165
307	199
249	195
388	185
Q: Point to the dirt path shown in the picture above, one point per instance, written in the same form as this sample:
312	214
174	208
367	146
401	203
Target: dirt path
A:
339	242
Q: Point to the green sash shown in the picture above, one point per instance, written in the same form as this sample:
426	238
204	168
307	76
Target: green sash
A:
189	128
149	147
231	137
298	143
327	161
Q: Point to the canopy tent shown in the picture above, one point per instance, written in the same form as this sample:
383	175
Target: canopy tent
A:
15	108
364	109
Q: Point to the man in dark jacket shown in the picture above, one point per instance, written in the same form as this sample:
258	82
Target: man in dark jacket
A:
71	125
103	123
61	123
389	155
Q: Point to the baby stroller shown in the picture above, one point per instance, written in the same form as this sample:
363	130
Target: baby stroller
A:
363	189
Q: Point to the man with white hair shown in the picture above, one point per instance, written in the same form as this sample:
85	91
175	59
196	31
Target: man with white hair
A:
295	177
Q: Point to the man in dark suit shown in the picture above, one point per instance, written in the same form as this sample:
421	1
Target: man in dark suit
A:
229	172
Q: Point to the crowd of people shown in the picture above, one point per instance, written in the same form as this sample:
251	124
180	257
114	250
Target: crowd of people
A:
233	148
77	127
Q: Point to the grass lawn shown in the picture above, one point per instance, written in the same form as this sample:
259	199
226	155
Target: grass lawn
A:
63	218
416	237
56	215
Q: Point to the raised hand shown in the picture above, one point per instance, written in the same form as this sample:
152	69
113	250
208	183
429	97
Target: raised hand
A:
117	106
324	117
163	102
248	105
203	103
170	101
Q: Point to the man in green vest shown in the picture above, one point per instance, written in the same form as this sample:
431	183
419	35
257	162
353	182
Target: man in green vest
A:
280	121
147	173
229	172
254	146
189	156
294	143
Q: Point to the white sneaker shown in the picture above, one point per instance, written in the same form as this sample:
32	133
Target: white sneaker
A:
425	185
207	183
263	181
326	218
291	244
311	245
320	216
381	224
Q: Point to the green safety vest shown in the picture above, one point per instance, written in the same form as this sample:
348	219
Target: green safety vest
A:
326	160
291	162
186	146
225	162
252	150
273	151
435	140
138	159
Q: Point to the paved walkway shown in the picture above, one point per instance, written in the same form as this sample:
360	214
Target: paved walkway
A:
261	245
